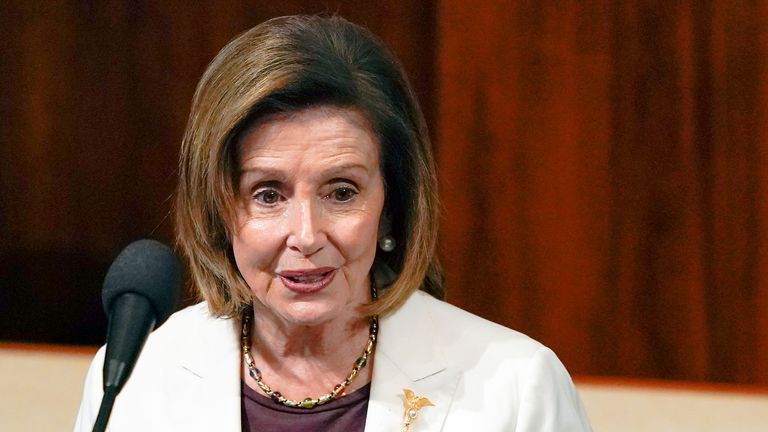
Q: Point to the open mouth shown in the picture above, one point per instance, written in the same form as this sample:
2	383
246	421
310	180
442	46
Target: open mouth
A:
308	278
307	282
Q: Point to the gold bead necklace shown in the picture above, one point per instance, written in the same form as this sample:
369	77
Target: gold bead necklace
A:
308	402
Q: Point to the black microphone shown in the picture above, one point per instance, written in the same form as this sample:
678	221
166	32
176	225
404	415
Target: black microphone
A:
140	292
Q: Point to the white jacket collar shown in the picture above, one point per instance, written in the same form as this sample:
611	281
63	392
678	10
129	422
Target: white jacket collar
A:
210	375
408	355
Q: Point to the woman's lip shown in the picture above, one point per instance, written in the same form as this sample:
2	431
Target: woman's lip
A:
307	287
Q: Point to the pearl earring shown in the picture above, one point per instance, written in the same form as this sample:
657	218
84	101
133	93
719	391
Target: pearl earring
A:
387	243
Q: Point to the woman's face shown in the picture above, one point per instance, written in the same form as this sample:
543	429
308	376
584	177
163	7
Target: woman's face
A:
310	198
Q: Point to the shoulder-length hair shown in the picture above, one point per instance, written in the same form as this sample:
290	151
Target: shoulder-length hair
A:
285	65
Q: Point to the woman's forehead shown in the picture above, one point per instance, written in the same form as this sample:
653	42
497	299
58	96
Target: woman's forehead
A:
322	135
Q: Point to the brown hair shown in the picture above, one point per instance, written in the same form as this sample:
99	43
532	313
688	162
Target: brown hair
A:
284	65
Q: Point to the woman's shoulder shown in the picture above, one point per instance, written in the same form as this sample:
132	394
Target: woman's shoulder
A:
472	330
180	330
195	314
513	369
186	328
462	339
183	341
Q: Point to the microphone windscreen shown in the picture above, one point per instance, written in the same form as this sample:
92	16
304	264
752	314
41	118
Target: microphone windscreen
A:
148	268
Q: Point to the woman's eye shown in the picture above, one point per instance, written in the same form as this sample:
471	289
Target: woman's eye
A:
267	196
343	194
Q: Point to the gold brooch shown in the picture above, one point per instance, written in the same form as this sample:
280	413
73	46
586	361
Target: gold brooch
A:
412	404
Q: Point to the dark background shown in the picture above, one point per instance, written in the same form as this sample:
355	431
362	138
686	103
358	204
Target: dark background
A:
601	164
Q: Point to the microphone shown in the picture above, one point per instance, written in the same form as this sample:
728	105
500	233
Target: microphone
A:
140	292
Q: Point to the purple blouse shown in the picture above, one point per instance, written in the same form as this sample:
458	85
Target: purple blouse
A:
345	414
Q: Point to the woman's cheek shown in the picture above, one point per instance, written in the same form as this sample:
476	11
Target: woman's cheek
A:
357	236
259	243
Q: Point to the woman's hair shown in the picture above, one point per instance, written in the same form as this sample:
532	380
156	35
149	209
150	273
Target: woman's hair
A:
286	65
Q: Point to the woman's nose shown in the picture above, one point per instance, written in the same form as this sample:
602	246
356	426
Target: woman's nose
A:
305	232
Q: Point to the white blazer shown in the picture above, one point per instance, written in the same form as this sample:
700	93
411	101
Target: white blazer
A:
479	376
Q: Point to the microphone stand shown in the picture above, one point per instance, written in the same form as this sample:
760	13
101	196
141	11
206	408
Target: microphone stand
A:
107	402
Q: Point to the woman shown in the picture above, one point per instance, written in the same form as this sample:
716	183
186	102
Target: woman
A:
306	210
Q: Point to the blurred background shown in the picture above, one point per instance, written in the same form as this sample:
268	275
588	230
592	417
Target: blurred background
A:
602	164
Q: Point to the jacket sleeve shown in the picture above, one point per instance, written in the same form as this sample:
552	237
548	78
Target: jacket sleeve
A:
548	399
92	392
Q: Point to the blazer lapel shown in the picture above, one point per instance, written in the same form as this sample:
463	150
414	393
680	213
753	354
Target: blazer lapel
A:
408	356
209	377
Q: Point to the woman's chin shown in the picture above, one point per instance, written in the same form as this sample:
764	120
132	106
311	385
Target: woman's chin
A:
312	314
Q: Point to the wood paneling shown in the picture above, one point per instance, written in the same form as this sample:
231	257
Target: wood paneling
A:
601	168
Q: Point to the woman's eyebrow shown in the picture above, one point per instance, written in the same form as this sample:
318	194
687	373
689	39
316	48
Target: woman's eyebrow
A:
346	168
262	173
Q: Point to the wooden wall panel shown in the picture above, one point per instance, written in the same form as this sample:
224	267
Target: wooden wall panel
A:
602	176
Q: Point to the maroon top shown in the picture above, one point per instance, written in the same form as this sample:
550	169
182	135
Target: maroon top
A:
345	414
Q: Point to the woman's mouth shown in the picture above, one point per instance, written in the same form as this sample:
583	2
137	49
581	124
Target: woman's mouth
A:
307	281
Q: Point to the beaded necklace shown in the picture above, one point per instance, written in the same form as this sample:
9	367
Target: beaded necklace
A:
308	402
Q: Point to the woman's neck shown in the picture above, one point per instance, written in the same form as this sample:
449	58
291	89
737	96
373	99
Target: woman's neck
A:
307	360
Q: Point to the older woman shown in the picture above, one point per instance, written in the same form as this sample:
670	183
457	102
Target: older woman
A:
307	212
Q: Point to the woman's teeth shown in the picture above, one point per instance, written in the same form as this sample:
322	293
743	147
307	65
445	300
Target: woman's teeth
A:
308	278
